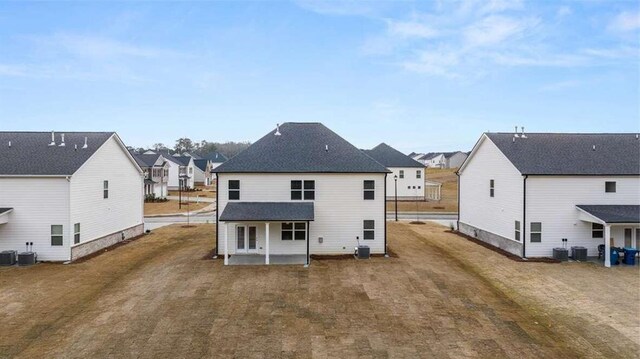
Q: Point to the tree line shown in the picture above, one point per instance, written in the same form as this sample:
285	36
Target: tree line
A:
201	148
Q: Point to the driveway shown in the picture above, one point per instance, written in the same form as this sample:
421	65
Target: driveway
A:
159	297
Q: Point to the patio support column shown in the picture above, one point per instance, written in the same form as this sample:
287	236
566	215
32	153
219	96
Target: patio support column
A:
226	243
266	244
607	245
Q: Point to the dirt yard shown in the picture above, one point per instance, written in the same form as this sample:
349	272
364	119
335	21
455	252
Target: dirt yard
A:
448	202
207	192
172	207
441	297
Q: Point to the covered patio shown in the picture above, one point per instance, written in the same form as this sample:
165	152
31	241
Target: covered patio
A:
624	217
250	227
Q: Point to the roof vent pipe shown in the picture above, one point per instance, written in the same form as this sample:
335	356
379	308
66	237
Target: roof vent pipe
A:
277	129
326	148
523	135
9	144
53	139
75	147
62	143
594	147
85	142
515	134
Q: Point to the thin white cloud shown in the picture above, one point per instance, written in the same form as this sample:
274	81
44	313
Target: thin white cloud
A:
496	29
435	62
408	29
625	21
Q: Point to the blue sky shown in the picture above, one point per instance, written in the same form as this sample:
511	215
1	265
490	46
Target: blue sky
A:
420	76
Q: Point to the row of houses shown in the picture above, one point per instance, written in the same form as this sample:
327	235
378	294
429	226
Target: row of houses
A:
164	172
302	189
440	159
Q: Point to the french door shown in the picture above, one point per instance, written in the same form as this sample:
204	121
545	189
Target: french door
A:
246	239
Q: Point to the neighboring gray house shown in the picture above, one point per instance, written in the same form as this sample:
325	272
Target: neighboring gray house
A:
300	190
525	194
406	172
156	174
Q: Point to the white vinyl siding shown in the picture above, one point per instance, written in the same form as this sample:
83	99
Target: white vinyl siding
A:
408	186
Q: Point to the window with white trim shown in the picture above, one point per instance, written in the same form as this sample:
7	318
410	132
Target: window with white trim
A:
293	231
536	232
517	237
234	190
492	184
303	189
418	173
56	234
610	187
401	174
368	229
369	189
597	230
76	233
105	189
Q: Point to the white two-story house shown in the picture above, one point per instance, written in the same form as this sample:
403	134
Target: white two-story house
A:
300	190
526	193
68	194
156	174
186	171
407	174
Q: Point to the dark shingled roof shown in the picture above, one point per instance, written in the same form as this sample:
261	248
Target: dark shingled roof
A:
614	213
215	157
267	211
3	210
182	160
146	160
301	147
201	163
30	153
571	153
390	157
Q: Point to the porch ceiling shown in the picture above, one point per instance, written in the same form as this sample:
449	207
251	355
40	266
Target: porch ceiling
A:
610	214
267	211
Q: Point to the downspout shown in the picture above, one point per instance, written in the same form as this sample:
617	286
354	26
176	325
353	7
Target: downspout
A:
458	221
384	209
308	239
524	217
217	214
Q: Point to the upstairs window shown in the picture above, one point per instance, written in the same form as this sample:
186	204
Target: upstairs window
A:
56	235
369	189
517	231
597	230
418	174
234	190
369	229
303	189
491	188
536	232
610	187
401	174
105	189
76	233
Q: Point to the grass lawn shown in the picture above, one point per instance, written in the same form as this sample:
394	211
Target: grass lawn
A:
443	296
448	202
172	207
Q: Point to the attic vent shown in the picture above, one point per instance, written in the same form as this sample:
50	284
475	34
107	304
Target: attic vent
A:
9	143
277	130
523	135
62	143
53	139
326	148
85	142
515	134
594	147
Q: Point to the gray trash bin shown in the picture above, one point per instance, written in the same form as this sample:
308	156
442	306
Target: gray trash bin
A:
579	253
363	252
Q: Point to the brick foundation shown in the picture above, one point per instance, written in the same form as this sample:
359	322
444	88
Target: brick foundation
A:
86	248
491	238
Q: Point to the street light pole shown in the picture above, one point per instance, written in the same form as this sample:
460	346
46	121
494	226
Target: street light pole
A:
395	178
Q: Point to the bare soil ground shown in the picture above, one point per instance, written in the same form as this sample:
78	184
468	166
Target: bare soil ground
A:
448	202
157	298
172	207
205	192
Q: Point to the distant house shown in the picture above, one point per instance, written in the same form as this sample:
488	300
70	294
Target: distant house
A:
525	194
70	194
406	173
156	174
215	160
300	190
186	171
202	172
443	159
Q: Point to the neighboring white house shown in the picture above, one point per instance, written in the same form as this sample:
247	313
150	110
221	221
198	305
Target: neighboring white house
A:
406	173
300	190
69	194
454	159
442	159
156	174
524	194
433	160
201	172
186	171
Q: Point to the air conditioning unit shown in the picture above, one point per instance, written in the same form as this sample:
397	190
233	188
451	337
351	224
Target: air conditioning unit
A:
561	254
363	252
7	258
579	254
26	258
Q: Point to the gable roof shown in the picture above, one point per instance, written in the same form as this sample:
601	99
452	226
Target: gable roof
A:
182	160
429	156
571	153
148	160
201	163
301	147
614	213
30	153
390	157
215	157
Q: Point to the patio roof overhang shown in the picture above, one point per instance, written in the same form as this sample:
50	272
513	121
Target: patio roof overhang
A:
267	212
610	214
148	181
4	214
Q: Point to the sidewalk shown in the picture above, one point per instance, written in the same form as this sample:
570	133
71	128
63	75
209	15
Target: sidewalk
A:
206	210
